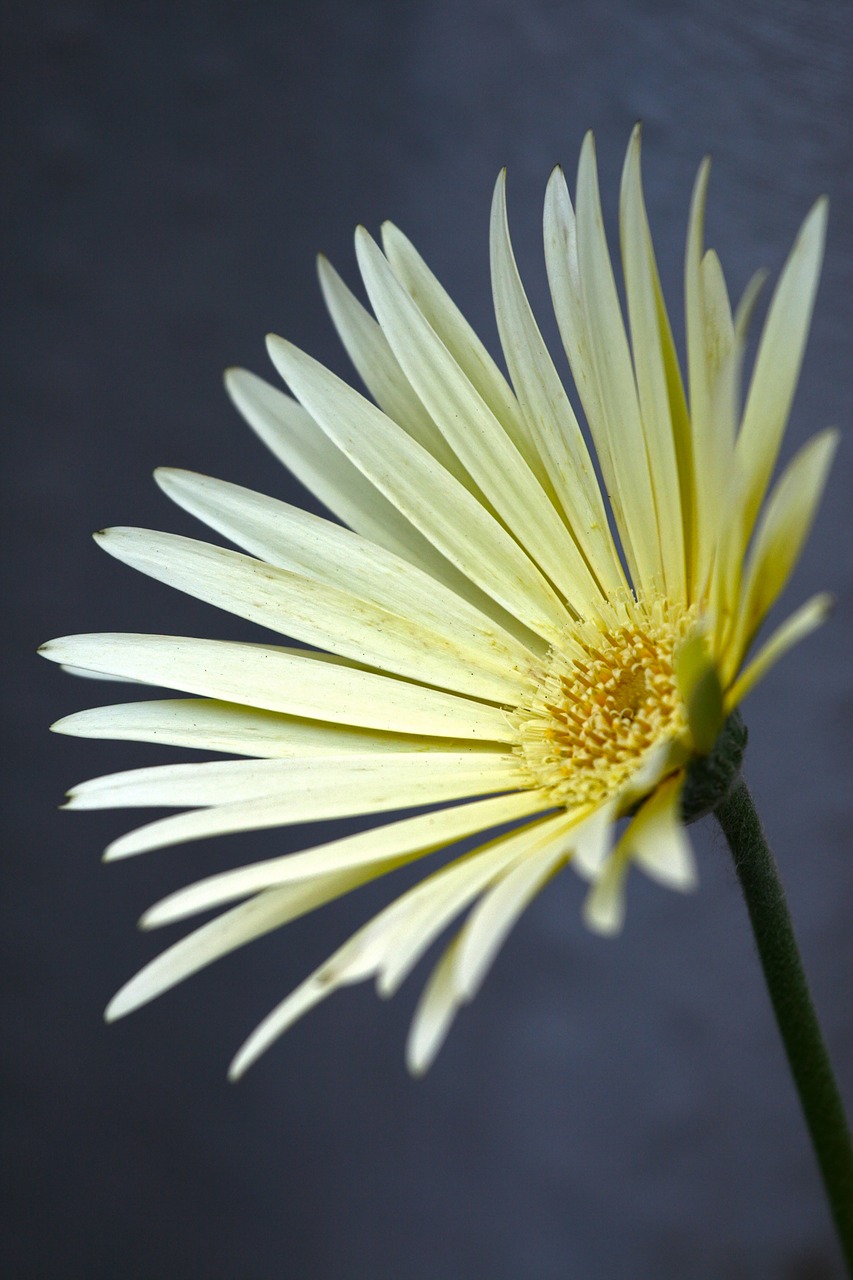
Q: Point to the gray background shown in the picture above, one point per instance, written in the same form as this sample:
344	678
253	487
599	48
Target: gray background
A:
606	1108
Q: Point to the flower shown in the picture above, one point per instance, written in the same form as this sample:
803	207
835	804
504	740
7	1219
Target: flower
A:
486	644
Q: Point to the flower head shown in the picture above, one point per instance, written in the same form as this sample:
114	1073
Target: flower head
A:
489	642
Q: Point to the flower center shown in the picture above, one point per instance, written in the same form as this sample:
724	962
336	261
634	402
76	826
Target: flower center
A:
604	698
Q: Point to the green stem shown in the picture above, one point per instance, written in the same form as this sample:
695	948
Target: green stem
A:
789	993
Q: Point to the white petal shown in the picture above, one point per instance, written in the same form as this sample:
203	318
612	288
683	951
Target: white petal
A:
782	533
475	434
658	839
409	837
443	509
280	680
225	933
780	355
618	432
801	623
311	611
302	543
494	916
322	789
377	366
434	1015
206	725
549	415
648	343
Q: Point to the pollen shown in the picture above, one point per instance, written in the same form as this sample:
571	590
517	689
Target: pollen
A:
603	699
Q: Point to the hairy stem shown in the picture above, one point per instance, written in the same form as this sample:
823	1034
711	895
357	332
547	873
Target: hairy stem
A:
792	1004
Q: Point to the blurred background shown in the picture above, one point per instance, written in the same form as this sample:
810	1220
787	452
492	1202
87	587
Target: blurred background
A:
605	1108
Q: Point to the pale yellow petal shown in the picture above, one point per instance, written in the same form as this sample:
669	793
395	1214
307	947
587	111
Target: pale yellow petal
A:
434	1015
227	932
657	838
801	623
379	370
313	790
618	433
289	432
592	839
642	291
604	906
549	415
780	355
709	445
475	434
300	542
443	509
204	724
408	837
495	915
781	535
315	613
280	680
226	782
457	335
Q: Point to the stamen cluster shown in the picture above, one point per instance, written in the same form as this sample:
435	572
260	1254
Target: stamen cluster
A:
602	702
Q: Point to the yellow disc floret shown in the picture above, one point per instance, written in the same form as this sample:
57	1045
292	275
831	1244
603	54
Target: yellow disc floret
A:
604	698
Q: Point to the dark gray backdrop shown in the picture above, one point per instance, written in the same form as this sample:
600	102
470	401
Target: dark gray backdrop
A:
606	1108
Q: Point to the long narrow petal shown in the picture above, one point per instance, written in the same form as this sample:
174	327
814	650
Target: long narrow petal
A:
618	432
779	357
300	542
708	444
781	534
204	724
434	1014
426	911
648	340
495	915
296	782
475	434
289	432
280	680
320	984
294	437
313	612
377	366
551	420
408	837
404	922
457	335
443	509
604	907
592	839
227	932
561	259
315	790
801	623
658	839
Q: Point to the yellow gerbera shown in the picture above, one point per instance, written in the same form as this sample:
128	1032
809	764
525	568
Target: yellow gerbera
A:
487	626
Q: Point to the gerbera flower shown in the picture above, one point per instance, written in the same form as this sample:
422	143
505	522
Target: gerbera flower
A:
489	634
